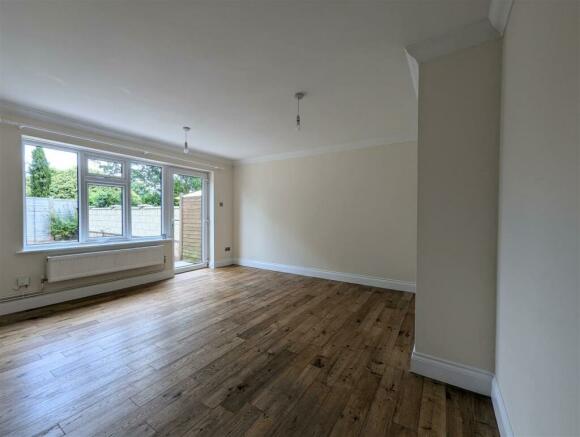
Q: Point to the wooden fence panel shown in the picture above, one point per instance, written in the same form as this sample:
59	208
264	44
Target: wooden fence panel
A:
191	227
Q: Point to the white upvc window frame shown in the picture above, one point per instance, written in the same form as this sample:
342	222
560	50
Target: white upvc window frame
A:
169	211
84	179
54	146
122	182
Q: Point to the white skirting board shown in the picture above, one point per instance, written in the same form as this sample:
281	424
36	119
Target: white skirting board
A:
353	278
41	300
467	377
501	415
222	263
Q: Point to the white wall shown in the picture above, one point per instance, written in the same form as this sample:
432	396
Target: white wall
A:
538	330
457	205
14	264
349	211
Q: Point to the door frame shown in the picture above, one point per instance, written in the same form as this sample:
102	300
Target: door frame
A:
170	210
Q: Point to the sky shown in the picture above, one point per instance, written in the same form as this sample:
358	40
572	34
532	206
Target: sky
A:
57	159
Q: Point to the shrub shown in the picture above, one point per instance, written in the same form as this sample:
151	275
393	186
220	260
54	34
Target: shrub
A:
104	196
63	183
64	228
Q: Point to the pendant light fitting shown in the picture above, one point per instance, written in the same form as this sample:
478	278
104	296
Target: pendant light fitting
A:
186	129
299	96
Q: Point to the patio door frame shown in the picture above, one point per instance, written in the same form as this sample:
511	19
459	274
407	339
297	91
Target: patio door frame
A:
170	211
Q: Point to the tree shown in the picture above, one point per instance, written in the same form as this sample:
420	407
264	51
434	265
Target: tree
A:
136	199
40	175
104	196
63	184
184	185
105	168
146	184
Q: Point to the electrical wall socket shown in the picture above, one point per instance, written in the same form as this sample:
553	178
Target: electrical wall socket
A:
228	249
23	281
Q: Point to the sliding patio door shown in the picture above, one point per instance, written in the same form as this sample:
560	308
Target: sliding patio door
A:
189	218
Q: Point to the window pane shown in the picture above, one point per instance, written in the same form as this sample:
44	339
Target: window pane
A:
103	167
51	195
188	223
105	211
145	200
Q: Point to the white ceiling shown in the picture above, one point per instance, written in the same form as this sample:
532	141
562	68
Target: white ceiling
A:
228	69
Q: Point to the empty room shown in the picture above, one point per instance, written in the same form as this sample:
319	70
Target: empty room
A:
289	218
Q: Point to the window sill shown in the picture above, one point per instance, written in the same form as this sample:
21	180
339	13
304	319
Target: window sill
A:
79	248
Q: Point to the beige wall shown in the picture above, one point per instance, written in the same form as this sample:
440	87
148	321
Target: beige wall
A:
224	215
349	211
538	330
14	264
457	205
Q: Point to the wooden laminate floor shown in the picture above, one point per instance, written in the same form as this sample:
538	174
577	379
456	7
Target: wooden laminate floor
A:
234	351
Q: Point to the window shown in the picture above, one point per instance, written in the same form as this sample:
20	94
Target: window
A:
146	196
74	196
105	211
51	199
102	167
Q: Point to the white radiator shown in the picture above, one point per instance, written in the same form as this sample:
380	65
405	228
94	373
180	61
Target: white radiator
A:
82	265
